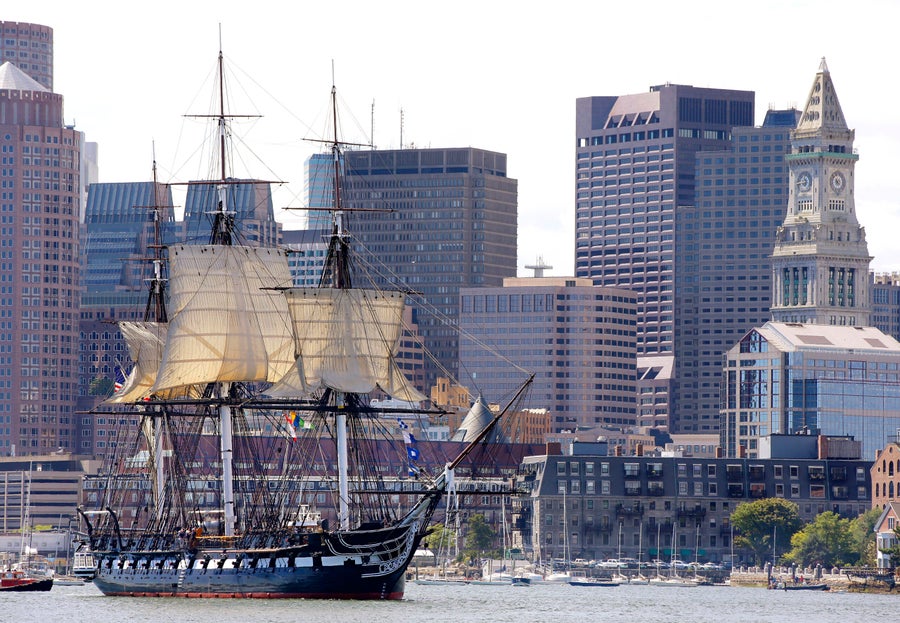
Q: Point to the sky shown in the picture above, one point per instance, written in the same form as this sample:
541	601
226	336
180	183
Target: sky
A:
496	75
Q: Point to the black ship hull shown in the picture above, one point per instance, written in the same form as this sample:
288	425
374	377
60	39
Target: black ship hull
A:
311	583
340	565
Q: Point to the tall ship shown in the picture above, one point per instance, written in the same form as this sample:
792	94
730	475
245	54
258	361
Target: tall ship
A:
252	395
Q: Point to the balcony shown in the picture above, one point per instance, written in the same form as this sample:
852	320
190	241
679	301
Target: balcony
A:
734	473
757	473
634	510
736	490
655	489
695	511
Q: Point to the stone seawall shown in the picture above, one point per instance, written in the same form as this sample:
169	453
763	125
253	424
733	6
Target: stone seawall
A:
836	579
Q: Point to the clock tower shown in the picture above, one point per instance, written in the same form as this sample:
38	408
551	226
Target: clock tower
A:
821	261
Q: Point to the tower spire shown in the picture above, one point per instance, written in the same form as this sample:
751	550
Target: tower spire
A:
821	261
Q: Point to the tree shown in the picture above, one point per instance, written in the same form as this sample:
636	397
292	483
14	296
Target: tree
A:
440	540
826	541
863	531
758	522
480	536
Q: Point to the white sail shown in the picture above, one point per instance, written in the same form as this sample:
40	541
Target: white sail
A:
145	341
346	340
226	326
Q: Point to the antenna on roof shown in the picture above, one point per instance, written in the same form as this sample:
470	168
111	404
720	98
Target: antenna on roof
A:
538	267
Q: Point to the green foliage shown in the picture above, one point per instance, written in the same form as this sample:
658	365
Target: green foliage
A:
440	540
101	386
827	541
480	537
863	531
757	522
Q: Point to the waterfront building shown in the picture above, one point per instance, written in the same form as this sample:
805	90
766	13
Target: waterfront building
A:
886	535
577	338
820	264
40	205
599	507
793	378
30	48
723	266
886	475
42	490
434	221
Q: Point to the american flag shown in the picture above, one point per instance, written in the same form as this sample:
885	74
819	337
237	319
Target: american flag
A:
119	380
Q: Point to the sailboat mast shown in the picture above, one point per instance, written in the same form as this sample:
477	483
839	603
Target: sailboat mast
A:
341	279
157	301
222	235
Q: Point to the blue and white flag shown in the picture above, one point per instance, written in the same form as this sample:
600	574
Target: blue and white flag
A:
412	453
408	437
402	424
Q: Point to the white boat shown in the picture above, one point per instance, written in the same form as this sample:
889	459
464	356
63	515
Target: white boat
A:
559	577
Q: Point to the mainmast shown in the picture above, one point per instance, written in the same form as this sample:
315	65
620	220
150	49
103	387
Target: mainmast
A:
222	234
338	262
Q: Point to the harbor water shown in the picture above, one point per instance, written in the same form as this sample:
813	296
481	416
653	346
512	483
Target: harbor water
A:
556	603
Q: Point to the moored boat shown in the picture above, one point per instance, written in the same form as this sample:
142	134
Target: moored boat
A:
18	581
592	582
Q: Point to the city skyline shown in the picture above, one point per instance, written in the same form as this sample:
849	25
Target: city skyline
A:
484	80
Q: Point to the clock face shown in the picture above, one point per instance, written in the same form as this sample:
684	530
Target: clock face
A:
804	181
837	182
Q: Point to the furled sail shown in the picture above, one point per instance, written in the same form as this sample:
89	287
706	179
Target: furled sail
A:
226	324
346	341
145	341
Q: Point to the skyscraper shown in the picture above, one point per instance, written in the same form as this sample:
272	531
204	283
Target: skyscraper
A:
433	221
722	269
39	296
635	168
119	234
30	48
821	260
